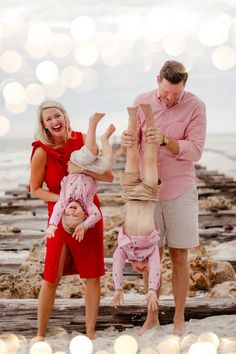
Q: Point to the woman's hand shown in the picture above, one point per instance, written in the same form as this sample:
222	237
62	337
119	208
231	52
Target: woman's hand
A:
73	168
118	298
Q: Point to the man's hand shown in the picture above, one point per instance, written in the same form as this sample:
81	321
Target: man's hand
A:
50	231
152	300
73	168
118	298
79	232
154	136
140	267
127	139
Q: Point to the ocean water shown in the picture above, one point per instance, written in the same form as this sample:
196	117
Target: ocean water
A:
219	154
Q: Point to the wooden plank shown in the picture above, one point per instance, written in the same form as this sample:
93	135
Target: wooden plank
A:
19	315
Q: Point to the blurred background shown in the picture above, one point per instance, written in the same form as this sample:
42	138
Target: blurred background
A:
94	55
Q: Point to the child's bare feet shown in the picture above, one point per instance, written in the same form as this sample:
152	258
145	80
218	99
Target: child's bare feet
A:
110	130
95	118
132	126
148	324
147	110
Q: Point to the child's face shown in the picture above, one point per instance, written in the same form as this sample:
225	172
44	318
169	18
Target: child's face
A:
73	216
74	209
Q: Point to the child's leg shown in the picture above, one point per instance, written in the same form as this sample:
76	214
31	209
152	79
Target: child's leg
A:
106	147
132	154
150	153
90	139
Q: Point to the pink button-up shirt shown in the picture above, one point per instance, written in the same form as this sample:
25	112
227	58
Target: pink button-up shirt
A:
185	122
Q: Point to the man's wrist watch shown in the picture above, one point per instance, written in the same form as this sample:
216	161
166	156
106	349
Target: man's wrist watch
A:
165	141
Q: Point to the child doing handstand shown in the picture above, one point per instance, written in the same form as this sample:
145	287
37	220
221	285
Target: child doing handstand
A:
138	237
75	205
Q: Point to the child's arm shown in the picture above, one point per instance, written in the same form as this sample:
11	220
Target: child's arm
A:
154	279
118	265
58	209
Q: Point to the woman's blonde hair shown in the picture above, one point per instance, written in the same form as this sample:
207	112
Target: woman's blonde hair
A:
43	134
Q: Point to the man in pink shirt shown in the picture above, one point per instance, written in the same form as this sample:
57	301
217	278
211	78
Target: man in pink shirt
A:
180	123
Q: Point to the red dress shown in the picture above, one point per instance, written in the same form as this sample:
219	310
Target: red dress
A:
85	258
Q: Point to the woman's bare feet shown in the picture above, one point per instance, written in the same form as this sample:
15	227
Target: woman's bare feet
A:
37	339
108	133
91	335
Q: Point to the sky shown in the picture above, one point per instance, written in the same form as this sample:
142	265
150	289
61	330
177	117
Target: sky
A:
97	56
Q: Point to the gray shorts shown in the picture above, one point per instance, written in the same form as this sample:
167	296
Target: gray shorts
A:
178	220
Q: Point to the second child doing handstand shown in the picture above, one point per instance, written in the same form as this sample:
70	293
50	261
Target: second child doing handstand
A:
138	237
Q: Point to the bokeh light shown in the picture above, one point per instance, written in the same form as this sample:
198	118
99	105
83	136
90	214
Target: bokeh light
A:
90	80
39	34
14	93
83	28
35	94
61	45
174	44
125	344
34	51
10	61
224	58
215	30
55	90
12	342
209	337
81	345
111	55
86	54
156	25
41	348
16	108
202	348
47	72
72	76
130	27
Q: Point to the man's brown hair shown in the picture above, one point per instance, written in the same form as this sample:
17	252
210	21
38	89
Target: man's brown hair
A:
174	72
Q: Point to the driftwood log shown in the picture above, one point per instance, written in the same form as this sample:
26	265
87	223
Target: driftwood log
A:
19	316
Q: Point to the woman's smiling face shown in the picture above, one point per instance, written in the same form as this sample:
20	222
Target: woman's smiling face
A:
54	121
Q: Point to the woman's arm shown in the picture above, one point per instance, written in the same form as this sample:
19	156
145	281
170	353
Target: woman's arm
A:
37	177
105	177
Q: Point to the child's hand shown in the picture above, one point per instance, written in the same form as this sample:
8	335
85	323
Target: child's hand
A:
118	298
50	232
152	300
79	232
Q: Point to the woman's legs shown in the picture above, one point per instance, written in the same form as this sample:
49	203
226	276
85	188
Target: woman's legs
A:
47	297
92	300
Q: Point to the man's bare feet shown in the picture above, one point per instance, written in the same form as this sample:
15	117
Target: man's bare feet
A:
179	328
95	118
110	130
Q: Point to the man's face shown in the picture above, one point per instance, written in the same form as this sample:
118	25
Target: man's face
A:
170	93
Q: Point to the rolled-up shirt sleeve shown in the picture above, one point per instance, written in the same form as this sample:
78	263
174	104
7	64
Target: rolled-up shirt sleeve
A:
190	148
